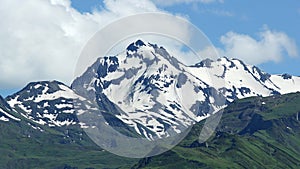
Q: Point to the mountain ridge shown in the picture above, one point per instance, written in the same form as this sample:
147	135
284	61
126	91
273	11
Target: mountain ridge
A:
220	82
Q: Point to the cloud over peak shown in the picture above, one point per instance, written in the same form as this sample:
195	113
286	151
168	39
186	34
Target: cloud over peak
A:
42	39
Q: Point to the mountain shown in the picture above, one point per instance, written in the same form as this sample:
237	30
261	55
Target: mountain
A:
46	103
157	95
148	90
144	91
254	133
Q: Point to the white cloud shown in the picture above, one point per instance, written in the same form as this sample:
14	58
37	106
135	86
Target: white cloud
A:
42	39
174	2
127	7
270	46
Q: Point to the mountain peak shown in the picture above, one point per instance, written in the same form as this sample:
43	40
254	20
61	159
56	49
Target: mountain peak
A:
286	76
135	45
220	61
42	87
204	63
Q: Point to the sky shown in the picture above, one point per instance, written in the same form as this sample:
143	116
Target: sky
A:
42	39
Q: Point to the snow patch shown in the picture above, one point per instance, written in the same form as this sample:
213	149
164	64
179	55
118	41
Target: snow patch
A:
8	115
2	118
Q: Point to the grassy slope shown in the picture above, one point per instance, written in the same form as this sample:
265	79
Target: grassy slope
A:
23	147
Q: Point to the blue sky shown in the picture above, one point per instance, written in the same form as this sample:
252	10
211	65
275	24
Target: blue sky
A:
244	17
44	39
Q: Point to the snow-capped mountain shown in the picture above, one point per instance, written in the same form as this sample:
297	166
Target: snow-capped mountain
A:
156	94
144	90
46	103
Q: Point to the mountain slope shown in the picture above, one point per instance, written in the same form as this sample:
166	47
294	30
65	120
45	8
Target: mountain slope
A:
5	114
253	133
